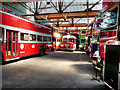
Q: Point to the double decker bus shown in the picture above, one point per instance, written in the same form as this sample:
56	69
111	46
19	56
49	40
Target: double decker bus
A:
109	33
21	37
82	38
77	35
68	43
56	38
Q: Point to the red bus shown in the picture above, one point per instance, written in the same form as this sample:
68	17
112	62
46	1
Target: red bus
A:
109	33
56	38
68	43
109	27
22	37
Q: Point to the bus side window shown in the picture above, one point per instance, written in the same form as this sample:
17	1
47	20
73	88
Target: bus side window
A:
24	36
39	38
32	37
45	38
49	39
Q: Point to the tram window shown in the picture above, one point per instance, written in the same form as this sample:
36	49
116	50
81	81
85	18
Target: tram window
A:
24	36
32	37
45	38
54	30
39	38
49	39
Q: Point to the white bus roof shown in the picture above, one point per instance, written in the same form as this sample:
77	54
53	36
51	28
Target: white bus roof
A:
69	36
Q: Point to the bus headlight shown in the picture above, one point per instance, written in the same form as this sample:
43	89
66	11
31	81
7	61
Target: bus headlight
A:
62	45
49	45
80	45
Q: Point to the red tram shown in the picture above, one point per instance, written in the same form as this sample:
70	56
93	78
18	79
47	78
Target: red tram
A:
22	37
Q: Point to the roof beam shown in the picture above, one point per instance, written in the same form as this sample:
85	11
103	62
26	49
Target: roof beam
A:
81	14
92	6
55	7
68	5
46	21
74	25
27	7
36	9
60	6
78	20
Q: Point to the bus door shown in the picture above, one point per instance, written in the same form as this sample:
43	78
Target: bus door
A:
11	44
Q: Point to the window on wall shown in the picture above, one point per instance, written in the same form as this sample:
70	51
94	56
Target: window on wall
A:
45	38
39	38
24	36
32	37
49	39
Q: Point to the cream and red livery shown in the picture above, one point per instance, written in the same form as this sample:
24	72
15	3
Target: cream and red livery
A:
68	43
56	38
22	37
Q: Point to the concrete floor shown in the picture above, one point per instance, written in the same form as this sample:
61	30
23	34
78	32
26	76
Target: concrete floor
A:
60	69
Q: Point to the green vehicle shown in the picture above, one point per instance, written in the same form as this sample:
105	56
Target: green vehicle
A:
82	39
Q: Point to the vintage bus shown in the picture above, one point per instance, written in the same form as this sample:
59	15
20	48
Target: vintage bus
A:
22	37
82	39
56	38
77	35
68	43
109	33
109	27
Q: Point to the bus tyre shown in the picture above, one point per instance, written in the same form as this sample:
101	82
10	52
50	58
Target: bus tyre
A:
42	51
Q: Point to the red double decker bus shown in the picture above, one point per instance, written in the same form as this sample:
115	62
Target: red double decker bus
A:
21	37
56	38
109	27
109	35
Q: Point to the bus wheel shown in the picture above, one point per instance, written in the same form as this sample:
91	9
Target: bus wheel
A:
42	51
